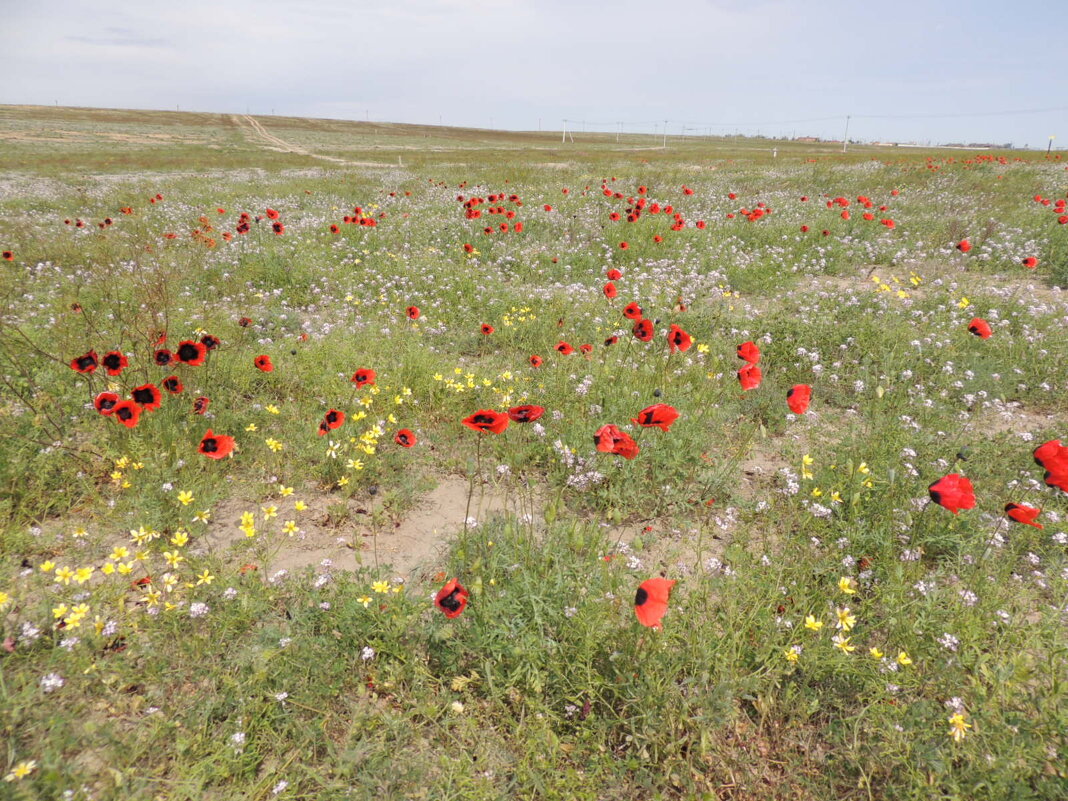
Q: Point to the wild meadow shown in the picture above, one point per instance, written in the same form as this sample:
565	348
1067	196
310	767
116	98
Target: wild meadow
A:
456	465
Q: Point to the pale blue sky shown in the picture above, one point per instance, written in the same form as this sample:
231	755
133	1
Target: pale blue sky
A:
768	66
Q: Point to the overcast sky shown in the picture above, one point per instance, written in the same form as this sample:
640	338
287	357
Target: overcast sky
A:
770	66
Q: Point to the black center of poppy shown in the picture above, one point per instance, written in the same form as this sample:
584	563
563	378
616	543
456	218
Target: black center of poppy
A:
171	384
640	597
163	357
451	601
85	362
125	413
144	396
188	352
112	361
106	403
484	420
210	445
331	417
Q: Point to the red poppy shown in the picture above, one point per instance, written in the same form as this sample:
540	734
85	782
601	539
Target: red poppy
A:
611	439
191	353
451	599
953	492
147	396
1030	262
536	361
412	312
162	357
363	377
200	405
798	398
632	311
1023	514
612	340
278	228
749	351
264	363
272	214
964	246
106	402
525	414
613	274
678	340
487	329
1052	455
643	330
86	363
331	420
980	328
487	420
651	601
172	384
216	446
245	322
563	348
8	255
623	246
210	342
405	438
750	376
586	349
804	229
610	290
126	412
659	415
334	229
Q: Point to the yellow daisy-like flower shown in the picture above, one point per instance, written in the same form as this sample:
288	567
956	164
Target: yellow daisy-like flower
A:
904	659
125	568
958	727
380	586
4	598
290	528
875	653
118	553
300	506
202	516
341	482
205	578
272	408
365	600
269	511
863	468
185	497
60	611
180	538
250	427
21	770
274	444
108	568
173	558
83	574
847	585
48	566
812	623
842	643
846	619
284	491
247	519
790	655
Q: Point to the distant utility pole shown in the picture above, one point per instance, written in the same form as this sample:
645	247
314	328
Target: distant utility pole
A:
1049	147
563	134
665	134
619	132
845	137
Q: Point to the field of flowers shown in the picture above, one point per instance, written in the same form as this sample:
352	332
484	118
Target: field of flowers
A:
478	479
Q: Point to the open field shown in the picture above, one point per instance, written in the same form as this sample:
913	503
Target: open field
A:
263	625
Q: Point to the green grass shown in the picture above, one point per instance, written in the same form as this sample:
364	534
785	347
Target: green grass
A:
546	686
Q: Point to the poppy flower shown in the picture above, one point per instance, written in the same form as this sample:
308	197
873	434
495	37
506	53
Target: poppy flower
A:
216	446
623	246
643	330
106	402
659	415
162	357
451	599
612	340
264	363
1030	262
331	420
563	348
610	290
86	363
613	274
126	412
147	396
114	362
363	377
798	398
953	492
678	340
536	361
1053	456
172	384
245	322
525	414
191	353
749	351
8	255
750	376
632	311
980	328
200	405
651	601
210	342
272	214
405	438
611	439
586	349
1023	514
412	312
487	329
487	420
964	246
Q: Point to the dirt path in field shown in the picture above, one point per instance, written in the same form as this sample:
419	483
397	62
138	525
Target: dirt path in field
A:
258	134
